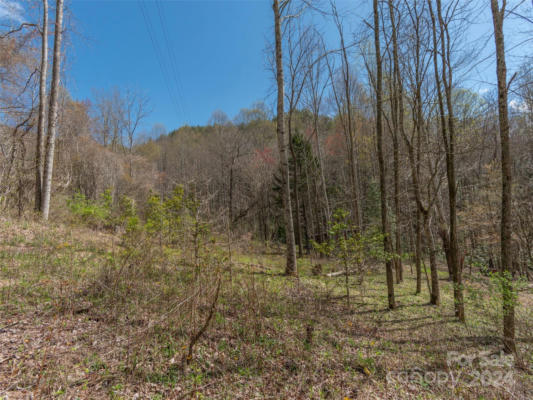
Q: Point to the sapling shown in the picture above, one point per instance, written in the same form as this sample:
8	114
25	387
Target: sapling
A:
351	247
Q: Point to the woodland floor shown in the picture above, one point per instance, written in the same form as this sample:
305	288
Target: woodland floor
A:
59	340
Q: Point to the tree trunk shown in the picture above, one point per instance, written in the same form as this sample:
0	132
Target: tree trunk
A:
348	124
397	228
52	113
42	110
291	266
446	247
435	290
448	135
450	171
382	167
415	156
20	180
397	107
506	219
423	212
418	250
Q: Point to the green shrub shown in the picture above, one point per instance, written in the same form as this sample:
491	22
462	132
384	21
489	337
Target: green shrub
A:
353	249
96	214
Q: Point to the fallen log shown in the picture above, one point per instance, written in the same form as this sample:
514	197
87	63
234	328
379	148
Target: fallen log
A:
339	273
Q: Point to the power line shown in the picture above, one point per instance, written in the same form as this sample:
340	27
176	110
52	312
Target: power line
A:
173	59
159	56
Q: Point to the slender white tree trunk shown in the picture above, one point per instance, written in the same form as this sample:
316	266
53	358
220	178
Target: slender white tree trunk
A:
52	113
42	110
291	268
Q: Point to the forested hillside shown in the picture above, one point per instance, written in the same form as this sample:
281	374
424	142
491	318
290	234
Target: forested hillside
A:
366	231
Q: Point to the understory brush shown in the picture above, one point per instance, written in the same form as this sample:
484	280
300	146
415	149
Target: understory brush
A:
158	307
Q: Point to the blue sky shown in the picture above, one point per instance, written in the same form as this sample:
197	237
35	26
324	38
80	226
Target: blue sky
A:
212	51
216	48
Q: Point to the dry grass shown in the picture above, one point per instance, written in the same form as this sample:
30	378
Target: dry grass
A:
64	333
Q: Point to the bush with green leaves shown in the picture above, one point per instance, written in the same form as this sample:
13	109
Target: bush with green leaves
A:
353	249
164	217
169	223
97	213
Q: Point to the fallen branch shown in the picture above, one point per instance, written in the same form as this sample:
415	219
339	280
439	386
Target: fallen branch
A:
187	358
339	273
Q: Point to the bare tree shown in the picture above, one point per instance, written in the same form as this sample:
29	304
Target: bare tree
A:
448	137
136	109
42	109
291	266
19	66
498	15
300	41
415	75
229	146
346	113
108	114
397	112
315	88
382	167
52	112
